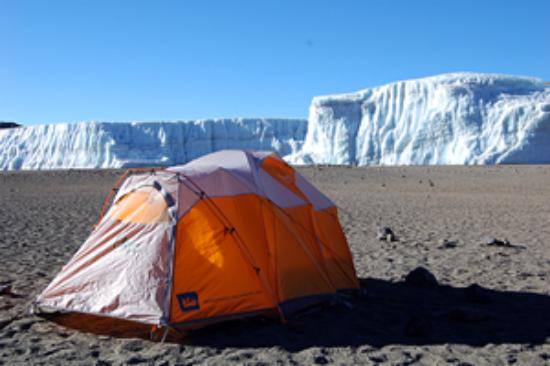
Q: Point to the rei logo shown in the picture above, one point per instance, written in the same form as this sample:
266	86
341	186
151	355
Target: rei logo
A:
188	301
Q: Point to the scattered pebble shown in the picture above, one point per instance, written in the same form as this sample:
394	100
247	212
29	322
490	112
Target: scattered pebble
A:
491	241
6	290
448	244
136	359
320	360
378	359
385	233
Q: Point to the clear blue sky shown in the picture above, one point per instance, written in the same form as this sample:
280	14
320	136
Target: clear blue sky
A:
74	60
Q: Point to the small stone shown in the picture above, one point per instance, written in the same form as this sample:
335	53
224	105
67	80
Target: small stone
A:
136	359
94	353
5	289
448	244
378	359
421	277
385	233
491	241
511	359
320	360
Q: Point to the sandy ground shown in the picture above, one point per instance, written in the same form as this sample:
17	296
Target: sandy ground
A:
44	217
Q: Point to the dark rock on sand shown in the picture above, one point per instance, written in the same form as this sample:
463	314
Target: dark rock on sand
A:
321	360
421	277
448	244
5	289
385	233
490	241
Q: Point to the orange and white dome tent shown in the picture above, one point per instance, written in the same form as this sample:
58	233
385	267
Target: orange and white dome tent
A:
231	234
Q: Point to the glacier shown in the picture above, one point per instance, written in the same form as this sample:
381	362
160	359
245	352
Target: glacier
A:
458	118
118	145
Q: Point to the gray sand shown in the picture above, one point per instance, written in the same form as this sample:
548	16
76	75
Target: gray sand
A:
45	216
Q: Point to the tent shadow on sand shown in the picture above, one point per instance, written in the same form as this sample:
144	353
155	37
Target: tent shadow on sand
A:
390	313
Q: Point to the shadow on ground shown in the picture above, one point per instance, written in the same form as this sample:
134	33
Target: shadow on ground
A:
398	313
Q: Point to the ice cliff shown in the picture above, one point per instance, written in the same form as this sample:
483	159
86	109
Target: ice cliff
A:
461	118
115	145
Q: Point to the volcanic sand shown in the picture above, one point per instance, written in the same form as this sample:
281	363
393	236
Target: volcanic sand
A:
45	217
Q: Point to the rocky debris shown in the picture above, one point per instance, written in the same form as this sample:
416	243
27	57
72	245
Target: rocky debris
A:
135	359
321	360
6	290
385	233
421	277
4	124
417	327
491	241
477	294
467	315
448	244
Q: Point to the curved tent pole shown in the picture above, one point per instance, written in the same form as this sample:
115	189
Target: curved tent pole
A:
240	243
302	195
116	186
316	238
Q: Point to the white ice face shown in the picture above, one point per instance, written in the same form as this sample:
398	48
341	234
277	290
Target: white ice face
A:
461	118
116	145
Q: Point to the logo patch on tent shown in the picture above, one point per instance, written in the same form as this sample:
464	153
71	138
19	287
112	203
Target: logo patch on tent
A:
188	301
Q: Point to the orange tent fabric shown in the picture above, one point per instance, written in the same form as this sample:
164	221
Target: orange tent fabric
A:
231	234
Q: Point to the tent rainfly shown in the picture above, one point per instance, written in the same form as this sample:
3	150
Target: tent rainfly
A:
229	235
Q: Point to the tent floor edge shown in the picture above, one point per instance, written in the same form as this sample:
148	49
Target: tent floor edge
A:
99	325
194	324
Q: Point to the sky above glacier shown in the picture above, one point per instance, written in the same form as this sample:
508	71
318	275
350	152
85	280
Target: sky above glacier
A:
74	60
